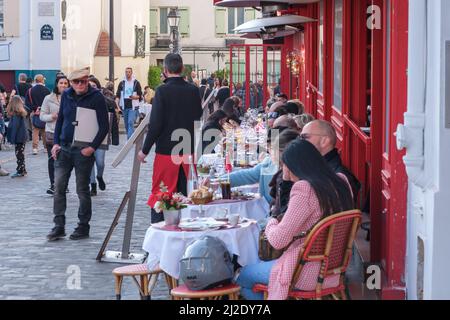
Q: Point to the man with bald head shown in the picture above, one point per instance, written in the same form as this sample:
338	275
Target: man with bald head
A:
323	136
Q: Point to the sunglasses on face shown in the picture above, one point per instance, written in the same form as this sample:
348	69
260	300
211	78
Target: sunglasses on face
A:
80	82
307	136
273	115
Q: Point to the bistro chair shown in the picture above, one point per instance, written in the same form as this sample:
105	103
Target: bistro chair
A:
330	243
146	283
182	292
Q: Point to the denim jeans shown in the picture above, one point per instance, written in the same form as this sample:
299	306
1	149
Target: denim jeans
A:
100	163
68	159
129	117
252	275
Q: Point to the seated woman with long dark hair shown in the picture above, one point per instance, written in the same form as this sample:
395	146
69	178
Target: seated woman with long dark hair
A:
212	131
230	108
317	193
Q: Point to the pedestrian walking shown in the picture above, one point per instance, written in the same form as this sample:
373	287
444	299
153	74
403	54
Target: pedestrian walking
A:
100	154
128	96
33	100
3	172
205	92
17	133
176	108
224	93
22	87
68	157
49	114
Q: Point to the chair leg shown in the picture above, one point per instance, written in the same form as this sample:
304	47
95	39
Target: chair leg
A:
145	282
344	295
118	285
152	282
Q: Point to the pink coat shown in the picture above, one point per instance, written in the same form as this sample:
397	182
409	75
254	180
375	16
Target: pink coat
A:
303	214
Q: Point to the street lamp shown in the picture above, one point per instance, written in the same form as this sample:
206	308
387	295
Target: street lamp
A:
218	55
174	22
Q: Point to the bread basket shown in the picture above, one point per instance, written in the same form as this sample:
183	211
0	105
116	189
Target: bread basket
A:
202	201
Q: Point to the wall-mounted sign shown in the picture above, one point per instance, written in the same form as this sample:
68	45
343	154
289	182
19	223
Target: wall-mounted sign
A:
5	52
46	9
47	32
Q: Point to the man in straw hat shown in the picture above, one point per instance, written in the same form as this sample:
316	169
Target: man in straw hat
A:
67	157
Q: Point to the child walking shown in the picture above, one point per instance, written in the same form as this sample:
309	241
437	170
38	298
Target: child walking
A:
17	133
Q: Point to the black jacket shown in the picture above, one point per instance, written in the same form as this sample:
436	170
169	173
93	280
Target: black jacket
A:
114	129
281	190
335	162
203	94
280	193
38	94
176	105
93	99
213	140
137	89
222	95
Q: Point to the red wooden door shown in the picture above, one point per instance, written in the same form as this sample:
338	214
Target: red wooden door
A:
394	180
7	79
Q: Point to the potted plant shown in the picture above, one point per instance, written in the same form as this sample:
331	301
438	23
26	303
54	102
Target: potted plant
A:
170	204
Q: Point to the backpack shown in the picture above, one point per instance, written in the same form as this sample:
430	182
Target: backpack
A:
36	120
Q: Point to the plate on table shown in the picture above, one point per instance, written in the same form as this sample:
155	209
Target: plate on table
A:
201	225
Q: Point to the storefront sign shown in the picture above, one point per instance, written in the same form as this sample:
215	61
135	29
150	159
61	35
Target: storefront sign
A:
46	32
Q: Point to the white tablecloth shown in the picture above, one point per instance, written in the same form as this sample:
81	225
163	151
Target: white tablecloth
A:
168	247
256	209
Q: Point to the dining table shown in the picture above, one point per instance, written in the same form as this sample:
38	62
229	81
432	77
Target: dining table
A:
166	245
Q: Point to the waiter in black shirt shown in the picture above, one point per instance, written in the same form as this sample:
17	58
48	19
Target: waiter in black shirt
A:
176	108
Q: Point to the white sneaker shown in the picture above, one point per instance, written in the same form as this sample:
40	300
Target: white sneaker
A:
35	151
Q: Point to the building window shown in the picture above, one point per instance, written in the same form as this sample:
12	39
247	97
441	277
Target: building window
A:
338	31
229	19
139	50
163	23
2	17
160	25
321	44
236	17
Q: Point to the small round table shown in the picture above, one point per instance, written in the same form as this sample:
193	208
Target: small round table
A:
166	245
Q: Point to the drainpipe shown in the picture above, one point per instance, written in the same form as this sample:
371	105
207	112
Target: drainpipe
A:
411	134
30	40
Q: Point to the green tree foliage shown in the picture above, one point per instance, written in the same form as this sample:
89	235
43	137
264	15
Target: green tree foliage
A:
223	74
154	76
187	71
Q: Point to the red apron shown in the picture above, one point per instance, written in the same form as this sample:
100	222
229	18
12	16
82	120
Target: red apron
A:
166	169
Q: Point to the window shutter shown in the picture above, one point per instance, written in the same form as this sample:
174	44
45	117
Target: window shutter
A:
249	14
221	25
11	18
184	22
153	21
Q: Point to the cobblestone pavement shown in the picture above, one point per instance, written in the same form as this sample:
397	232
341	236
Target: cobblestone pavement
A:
32	268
